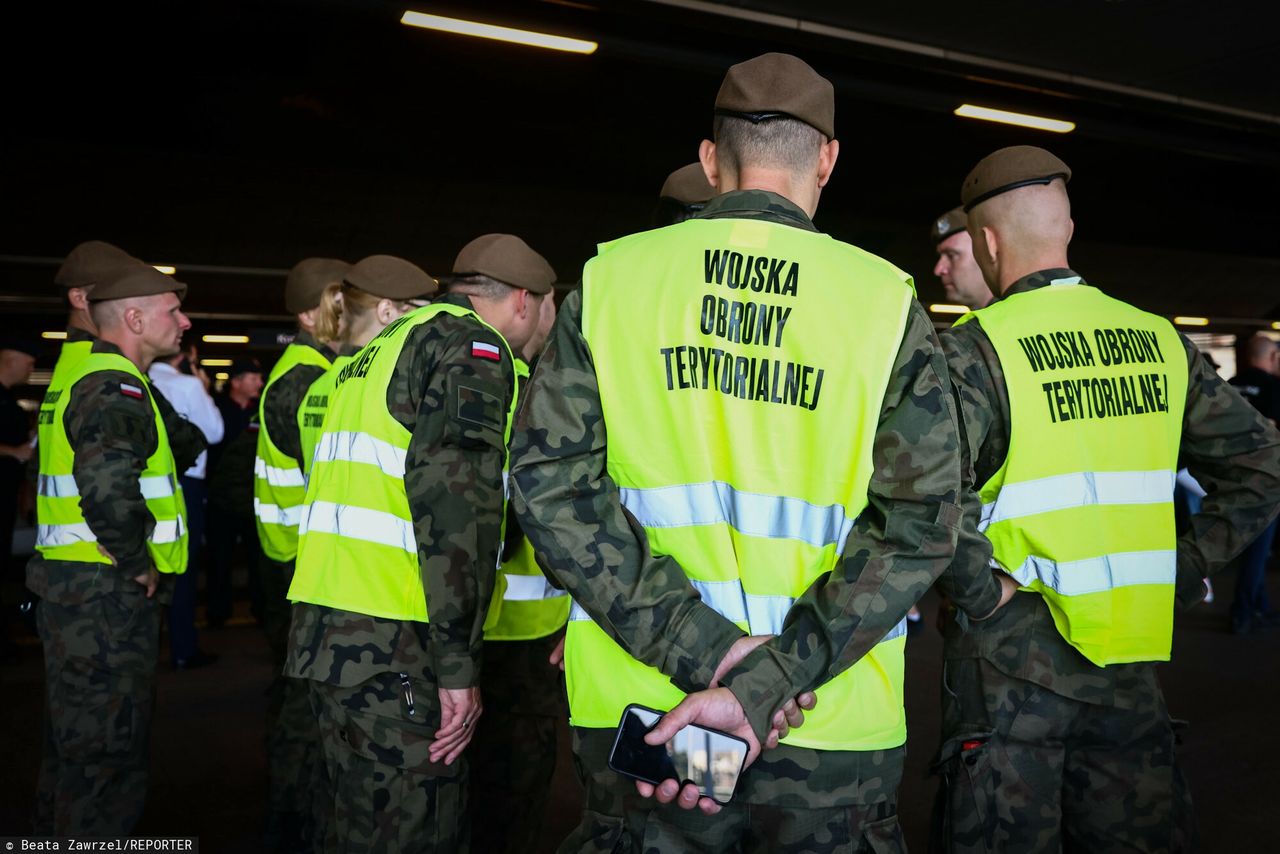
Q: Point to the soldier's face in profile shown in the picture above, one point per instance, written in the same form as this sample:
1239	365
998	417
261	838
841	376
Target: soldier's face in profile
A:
961	279
163	324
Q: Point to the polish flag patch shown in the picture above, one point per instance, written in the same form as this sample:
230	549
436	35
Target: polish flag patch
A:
481	350
131	391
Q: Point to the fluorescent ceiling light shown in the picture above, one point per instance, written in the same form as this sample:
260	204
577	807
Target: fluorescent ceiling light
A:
166	269
969	111
54	336
1275	324
503	34
948	308
1187	320
222	375
225	339
216	363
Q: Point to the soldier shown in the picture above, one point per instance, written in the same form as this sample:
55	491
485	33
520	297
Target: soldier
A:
758	478
684	193
403	519
112	520
1077	408
513	757
277	504
962	281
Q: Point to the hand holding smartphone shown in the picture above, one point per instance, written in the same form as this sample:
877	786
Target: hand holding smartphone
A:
709	759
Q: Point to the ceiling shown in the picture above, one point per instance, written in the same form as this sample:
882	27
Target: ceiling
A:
234	138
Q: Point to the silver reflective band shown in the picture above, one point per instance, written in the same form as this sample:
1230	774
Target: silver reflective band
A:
350	447
1069	280
272	514
1096	574
51	536
750	513
277	476
156	486
359	523
530	588
167	531
64	486
1078	489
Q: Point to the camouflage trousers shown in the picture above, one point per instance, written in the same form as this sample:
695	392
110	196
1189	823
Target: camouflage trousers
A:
1025	769
291	733
382	793
616	819
513	756
100	668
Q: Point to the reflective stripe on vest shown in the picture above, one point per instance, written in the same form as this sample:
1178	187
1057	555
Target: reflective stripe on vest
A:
741	423
62	532
278	483
525	604
1081	512
357	549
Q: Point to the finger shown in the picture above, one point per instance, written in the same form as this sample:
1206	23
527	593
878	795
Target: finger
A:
645	790
771	741
708	806
780	724
689	797
457	751
672	722
807	701
442	747
667	791
793	713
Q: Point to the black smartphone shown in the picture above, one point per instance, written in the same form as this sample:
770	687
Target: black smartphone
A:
710	759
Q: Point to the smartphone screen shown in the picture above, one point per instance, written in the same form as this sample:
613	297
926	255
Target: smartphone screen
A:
710	760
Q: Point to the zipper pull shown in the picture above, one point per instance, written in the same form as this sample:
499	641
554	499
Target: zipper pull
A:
408	691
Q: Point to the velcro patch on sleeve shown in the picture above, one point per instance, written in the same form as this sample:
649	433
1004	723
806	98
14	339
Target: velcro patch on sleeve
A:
477	406
481	350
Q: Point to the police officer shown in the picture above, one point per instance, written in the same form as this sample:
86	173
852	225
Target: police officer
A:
722	464
111	523
685	192
397	558
513	757
277	504
1077	408
962	281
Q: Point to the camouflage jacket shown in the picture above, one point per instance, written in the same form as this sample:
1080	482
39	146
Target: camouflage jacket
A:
455	405
281	402
113	434
571	511
1232	451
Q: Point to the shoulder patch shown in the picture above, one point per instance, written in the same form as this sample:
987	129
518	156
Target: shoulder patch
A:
129	390
481	350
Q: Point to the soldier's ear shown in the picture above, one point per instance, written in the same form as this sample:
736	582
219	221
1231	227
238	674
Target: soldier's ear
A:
827	161
134	319
710	166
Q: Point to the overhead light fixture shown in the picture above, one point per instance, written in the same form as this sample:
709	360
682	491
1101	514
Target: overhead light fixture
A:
166	269
54	336
1188	320
502	34
948	308
1275	324
222	375
225	339
969	111
216	363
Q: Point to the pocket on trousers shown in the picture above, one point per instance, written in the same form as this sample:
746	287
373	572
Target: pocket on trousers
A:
883	836
965	815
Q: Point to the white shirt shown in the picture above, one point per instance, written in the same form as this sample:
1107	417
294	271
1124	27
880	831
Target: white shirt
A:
192	402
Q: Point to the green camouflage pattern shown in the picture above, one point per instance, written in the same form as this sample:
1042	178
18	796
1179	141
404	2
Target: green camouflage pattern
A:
281	402
100	663
382	792
513	754
1025	768
903	540
761	817
455	405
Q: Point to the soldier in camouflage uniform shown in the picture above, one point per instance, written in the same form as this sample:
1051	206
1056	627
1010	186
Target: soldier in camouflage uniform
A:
792	798
291	728
99	622
397	699
1043	749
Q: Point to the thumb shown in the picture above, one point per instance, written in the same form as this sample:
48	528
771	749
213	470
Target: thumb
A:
672	722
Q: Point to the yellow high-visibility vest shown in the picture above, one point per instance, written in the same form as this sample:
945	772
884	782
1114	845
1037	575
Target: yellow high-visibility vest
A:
62	532
315	403
357	549
1081	512
278	482
741	409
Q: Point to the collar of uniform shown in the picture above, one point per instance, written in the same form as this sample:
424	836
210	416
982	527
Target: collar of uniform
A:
75	333
164	368
460	300
348	350
306	339
757	204
1044	278
102	346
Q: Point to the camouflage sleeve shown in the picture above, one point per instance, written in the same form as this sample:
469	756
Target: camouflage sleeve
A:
185	439
572	513
1234	452
455	404
113	434
280	409
900	543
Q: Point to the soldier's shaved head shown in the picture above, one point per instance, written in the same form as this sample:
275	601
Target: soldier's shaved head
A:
1259	351
1021	231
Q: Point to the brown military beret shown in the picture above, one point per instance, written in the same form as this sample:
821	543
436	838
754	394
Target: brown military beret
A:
392	278
778	84
688	185
92	262
140	281
1008	169
307	281
948	224
508	259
